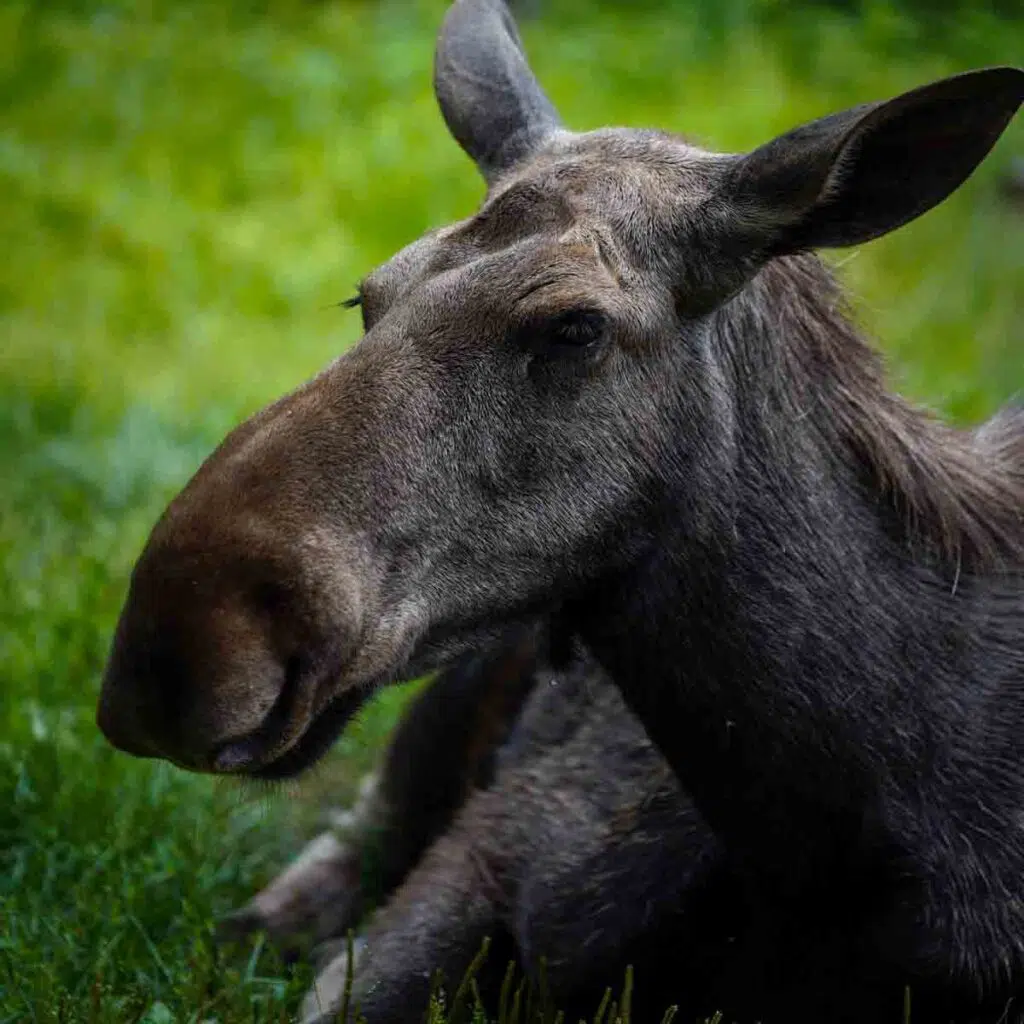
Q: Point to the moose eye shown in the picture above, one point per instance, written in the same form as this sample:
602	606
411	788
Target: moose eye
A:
574	330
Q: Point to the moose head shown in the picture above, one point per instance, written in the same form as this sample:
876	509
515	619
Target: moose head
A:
542	391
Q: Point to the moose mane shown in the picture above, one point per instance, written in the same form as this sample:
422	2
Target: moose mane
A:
955	496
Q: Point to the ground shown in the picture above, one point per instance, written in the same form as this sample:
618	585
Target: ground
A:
187	191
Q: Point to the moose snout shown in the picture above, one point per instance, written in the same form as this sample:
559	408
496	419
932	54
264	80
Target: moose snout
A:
243	617
203	725
223	666
206	685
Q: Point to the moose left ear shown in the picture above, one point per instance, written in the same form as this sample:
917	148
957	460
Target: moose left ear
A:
854	176
489	97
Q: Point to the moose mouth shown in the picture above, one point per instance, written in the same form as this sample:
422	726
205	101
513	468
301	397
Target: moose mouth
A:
291	755
246	756
315	740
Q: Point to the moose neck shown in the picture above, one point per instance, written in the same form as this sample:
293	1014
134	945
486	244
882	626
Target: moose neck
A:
800	657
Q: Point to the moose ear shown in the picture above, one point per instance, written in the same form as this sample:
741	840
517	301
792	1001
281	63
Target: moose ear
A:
490	99
854	176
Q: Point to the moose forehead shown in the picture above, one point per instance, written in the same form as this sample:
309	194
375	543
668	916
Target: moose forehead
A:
613	195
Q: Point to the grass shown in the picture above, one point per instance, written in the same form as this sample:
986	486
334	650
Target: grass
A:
186	191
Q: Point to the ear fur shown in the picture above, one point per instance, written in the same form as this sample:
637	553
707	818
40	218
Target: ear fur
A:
489	97
853	176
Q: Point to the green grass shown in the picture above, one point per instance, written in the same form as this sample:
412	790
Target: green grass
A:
186	191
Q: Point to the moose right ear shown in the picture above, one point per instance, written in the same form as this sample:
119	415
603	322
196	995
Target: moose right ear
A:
490	99
854	176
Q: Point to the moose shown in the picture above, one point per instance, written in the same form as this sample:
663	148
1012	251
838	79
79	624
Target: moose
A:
625	394
523	805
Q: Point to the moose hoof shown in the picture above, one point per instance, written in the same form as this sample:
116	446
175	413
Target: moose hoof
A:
324	999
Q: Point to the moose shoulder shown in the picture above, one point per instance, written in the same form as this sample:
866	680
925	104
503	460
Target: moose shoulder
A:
624	389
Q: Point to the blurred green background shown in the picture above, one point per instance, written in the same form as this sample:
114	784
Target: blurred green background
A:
187	191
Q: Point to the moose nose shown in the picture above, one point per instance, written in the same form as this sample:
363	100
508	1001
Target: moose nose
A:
156	703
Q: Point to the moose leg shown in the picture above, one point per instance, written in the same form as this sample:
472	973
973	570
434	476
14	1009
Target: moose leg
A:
658	898
436	921
443	750
320	893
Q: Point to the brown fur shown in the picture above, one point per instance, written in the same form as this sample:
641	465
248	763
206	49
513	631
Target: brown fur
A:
623	394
